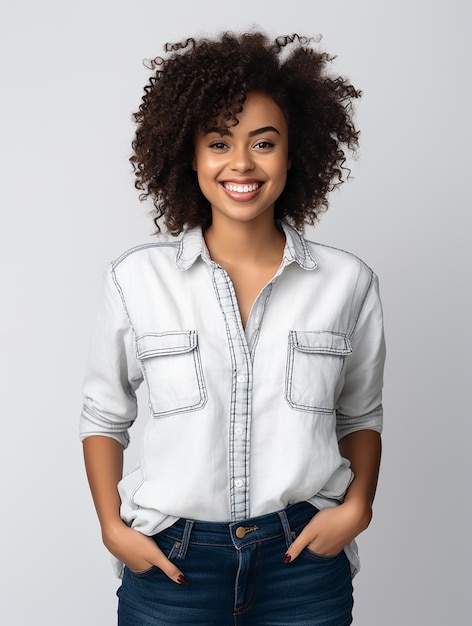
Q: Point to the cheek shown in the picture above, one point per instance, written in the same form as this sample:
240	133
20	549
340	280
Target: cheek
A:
283	172
204	183
204	165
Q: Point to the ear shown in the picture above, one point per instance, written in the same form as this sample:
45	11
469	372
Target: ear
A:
194	164
289	164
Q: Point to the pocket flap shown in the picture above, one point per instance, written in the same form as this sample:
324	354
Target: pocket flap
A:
161	344
323	341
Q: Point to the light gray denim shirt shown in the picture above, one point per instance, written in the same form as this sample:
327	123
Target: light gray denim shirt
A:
242	421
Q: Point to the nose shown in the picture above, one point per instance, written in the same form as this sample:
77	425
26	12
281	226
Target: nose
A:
241	159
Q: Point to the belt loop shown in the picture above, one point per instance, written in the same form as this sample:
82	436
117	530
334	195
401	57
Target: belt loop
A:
289	535
185	539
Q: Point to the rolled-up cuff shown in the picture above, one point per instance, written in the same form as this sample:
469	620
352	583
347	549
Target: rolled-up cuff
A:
347	424
93	423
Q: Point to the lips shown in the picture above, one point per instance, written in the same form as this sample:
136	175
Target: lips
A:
242	191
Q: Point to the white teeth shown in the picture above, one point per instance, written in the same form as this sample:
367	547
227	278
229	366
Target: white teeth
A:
241	188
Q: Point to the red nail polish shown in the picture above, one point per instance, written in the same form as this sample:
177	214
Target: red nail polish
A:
182	580
287	558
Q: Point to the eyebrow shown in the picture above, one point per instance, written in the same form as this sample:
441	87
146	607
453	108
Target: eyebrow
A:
252	133
264	129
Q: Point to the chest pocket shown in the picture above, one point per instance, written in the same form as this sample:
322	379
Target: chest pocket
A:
173	371
314	364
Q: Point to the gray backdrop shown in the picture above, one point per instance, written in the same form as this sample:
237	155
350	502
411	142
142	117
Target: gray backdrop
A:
71	76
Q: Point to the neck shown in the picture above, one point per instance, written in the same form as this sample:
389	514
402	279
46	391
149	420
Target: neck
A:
253	242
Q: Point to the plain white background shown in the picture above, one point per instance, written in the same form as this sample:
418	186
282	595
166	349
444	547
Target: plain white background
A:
71	75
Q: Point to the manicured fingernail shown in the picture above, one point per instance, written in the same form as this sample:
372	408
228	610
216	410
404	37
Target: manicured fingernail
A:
287	558
182	580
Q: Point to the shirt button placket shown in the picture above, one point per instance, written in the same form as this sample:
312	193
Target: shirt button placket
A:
240	415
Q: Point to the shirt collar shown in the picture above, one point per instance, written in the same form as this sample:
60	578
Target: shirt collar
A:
296	249
192	246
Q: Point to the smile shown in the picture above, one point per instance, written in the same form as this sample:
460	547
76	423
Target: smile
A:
242	188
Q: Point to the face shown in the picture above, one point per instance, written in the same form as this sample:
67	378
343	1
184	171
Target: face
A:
243	171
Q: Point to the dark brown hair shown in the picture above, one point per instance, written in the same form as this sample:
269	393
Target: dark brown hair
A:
200	79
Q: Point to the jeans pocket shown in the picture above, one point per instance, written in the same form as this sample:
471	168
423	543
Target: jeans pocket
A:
146	572
321	558
170	547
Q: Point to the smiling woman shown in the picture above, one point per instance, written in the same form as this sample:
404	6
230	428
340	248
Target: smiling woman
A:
262	352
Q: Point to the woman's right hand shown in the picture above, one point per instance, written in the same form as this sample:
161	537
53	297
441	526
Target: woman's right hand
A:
139	552
104	462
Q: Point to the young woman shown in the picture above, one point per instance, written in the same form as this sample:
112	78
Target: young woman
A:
262	352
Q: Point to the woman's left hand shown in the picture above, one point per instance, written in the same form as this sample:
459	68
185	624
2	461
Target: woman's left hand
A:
330	530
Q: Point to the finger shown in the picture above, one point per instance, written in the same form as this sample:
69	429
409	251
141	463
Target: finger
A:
162	562
300	543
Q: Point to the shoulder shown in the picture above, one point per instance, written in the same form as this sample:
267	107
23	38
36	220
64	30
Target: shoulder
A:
160	253
137	266
328	260
323	251
336	260
162	247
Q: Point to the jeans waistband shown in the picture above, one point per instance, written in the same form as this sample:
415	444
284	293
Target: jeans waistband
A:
244	532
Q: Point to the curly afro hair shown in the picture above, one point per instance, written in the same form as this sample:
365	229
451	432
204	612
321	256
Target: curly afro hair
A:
202	81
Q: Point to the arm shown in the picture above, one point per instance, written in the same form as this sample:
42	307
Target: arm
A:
110	408
363	449
358	424
104	464
333	528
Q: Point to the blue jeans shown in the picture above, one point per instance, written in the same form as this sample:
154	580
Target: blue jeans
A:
237	578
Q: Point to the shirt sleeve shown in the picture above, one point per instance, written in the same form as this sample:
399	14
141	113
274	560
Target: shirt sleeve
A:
359	405
112	372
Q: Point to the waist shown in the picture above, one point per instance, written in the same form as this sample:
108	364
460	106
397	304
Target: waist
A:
255	529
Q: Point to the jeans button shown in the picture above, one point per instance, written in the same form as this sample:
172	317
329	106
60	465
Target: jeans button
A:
240	532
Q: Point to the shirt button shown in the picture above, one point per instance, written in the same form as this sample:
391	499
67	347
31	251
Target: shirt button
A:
256	325
239	430
241	379
239	482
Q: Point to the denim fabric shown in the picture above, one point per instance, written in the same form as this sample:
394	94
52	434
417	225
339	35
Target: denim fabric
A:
239	580
242	421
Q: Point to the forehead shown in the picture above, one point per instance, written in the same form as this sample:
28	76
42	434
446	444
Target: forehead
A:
259	110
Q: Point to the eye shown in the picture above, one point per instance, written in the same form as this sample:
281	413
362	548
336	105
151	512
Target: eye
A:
218	145
264	145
